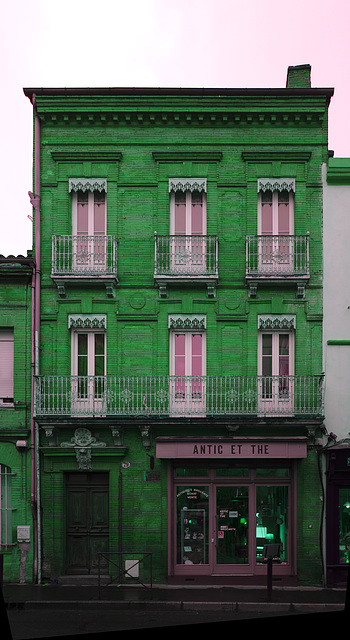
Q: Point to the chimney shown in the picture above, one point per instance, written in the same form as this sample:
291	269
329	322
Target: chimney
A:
299	76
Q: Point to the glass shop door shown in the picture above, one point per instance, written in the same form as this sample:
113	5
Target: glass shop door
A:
231	533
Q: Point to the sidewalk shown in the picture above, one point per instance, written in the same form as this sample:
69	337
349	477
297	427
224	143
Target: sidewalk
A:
220	598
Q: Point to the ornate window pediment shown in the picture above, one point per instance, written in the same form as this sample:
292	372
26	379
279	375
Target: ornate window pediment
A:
187	184
87	321
87	184
276	184
187	321
276	322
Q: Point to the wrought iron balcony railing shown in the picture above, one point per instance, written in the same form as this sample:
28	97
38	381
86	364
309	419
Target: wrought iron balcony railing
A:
186	256
84	255
277	256
163	396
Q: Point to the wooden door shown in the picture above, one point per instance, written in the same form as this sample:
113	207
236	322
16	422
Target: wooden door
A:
87	521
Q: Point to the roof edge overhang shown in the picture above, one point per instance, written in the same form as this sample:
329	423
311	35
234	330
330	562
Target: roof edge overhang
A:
175	92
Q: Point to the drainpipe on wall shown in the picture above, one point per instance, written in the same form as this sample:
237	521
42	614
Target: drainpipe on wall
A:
35	493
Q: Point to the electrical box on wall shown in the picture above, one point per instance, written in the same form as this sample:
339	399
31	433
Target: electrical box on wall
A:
23	533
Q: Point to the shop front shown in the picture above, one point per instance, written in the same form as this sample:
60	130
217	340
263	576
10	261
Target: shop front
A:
231	505
338	514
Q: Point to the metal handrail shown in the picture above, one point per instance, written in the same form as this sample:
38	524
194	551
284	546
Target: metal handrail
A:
84	255
277	255
186	255
178	395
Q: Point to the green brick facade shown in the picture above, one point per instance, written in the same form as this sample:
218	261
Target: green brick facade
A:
15	419
136	140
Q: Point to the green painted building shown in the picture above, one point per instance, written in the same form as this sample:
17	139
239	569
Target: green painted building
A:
17	502
179	396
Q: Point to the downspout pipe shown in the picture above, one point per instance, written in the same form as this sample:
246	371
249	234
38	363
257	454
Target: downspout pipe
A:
35	495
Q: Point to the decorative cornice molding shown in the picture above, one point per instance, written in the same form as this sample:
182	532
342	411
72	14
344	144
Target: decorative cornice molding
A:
87	184
187	184
88	154
187	321
87	321
266	156
276	321
338	171
276	184
180	156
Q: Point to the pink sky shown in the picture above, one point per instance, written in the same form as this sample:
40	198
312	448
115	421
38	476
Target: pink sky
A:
158	43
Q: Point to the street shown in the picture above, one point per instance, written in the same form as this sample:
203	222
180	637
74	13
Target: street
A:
50	623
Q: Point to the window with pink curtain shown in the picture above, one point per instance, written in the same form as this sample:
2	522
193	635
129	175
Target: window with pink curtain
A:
6	366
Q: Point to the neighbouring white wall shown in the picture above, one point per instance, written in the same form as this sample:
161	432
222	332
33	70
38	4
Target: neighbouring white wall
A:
336	306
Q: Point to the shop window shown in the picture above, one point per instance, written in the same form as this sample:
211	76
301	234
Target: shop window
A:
193	472
232	472
269	472
192	525
272	521
344	525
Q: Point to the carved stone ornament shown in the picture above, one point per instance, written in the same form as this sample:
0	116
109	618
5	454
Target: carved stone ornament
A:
87	184
186	321
87	321
276	322
82	442
187	184
276	184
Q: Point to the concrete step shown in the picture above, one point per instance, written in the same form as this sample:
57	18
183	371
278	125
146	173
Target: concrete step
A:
83	580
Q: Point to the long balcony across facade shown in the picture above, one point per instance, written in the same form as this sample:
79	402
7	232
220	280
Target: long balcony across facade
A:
81	256
191	396
186	256
277	256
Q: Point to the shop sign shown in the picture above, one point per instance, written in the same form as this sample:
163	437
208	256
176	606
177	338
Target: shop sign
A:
232	450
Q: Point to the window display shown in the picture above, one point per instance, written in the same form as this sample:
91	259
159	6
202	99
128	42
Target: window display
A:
344	525
192	530
272	521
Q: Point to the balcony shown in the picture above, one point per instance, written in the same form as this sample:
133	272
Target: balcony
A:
176	396
84	259
278	259
185	260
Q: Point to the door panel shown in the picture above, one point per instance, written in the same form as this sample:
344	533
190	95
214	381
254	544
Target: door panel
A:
87	519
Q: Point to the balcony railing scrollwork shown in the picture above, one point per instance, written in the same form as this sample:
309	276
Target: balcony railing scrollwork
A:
181	258
84	255
163	396
191	256
277	256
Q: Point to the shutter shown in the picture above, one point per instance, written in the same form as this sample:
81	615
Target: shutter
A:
6	366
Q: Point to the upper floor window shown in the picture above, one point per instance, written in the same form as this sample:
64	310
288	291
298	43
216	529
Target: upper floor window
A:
89	223
188	206
88	364
276	206
89	213
6	367
276	362
187	364
276	223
